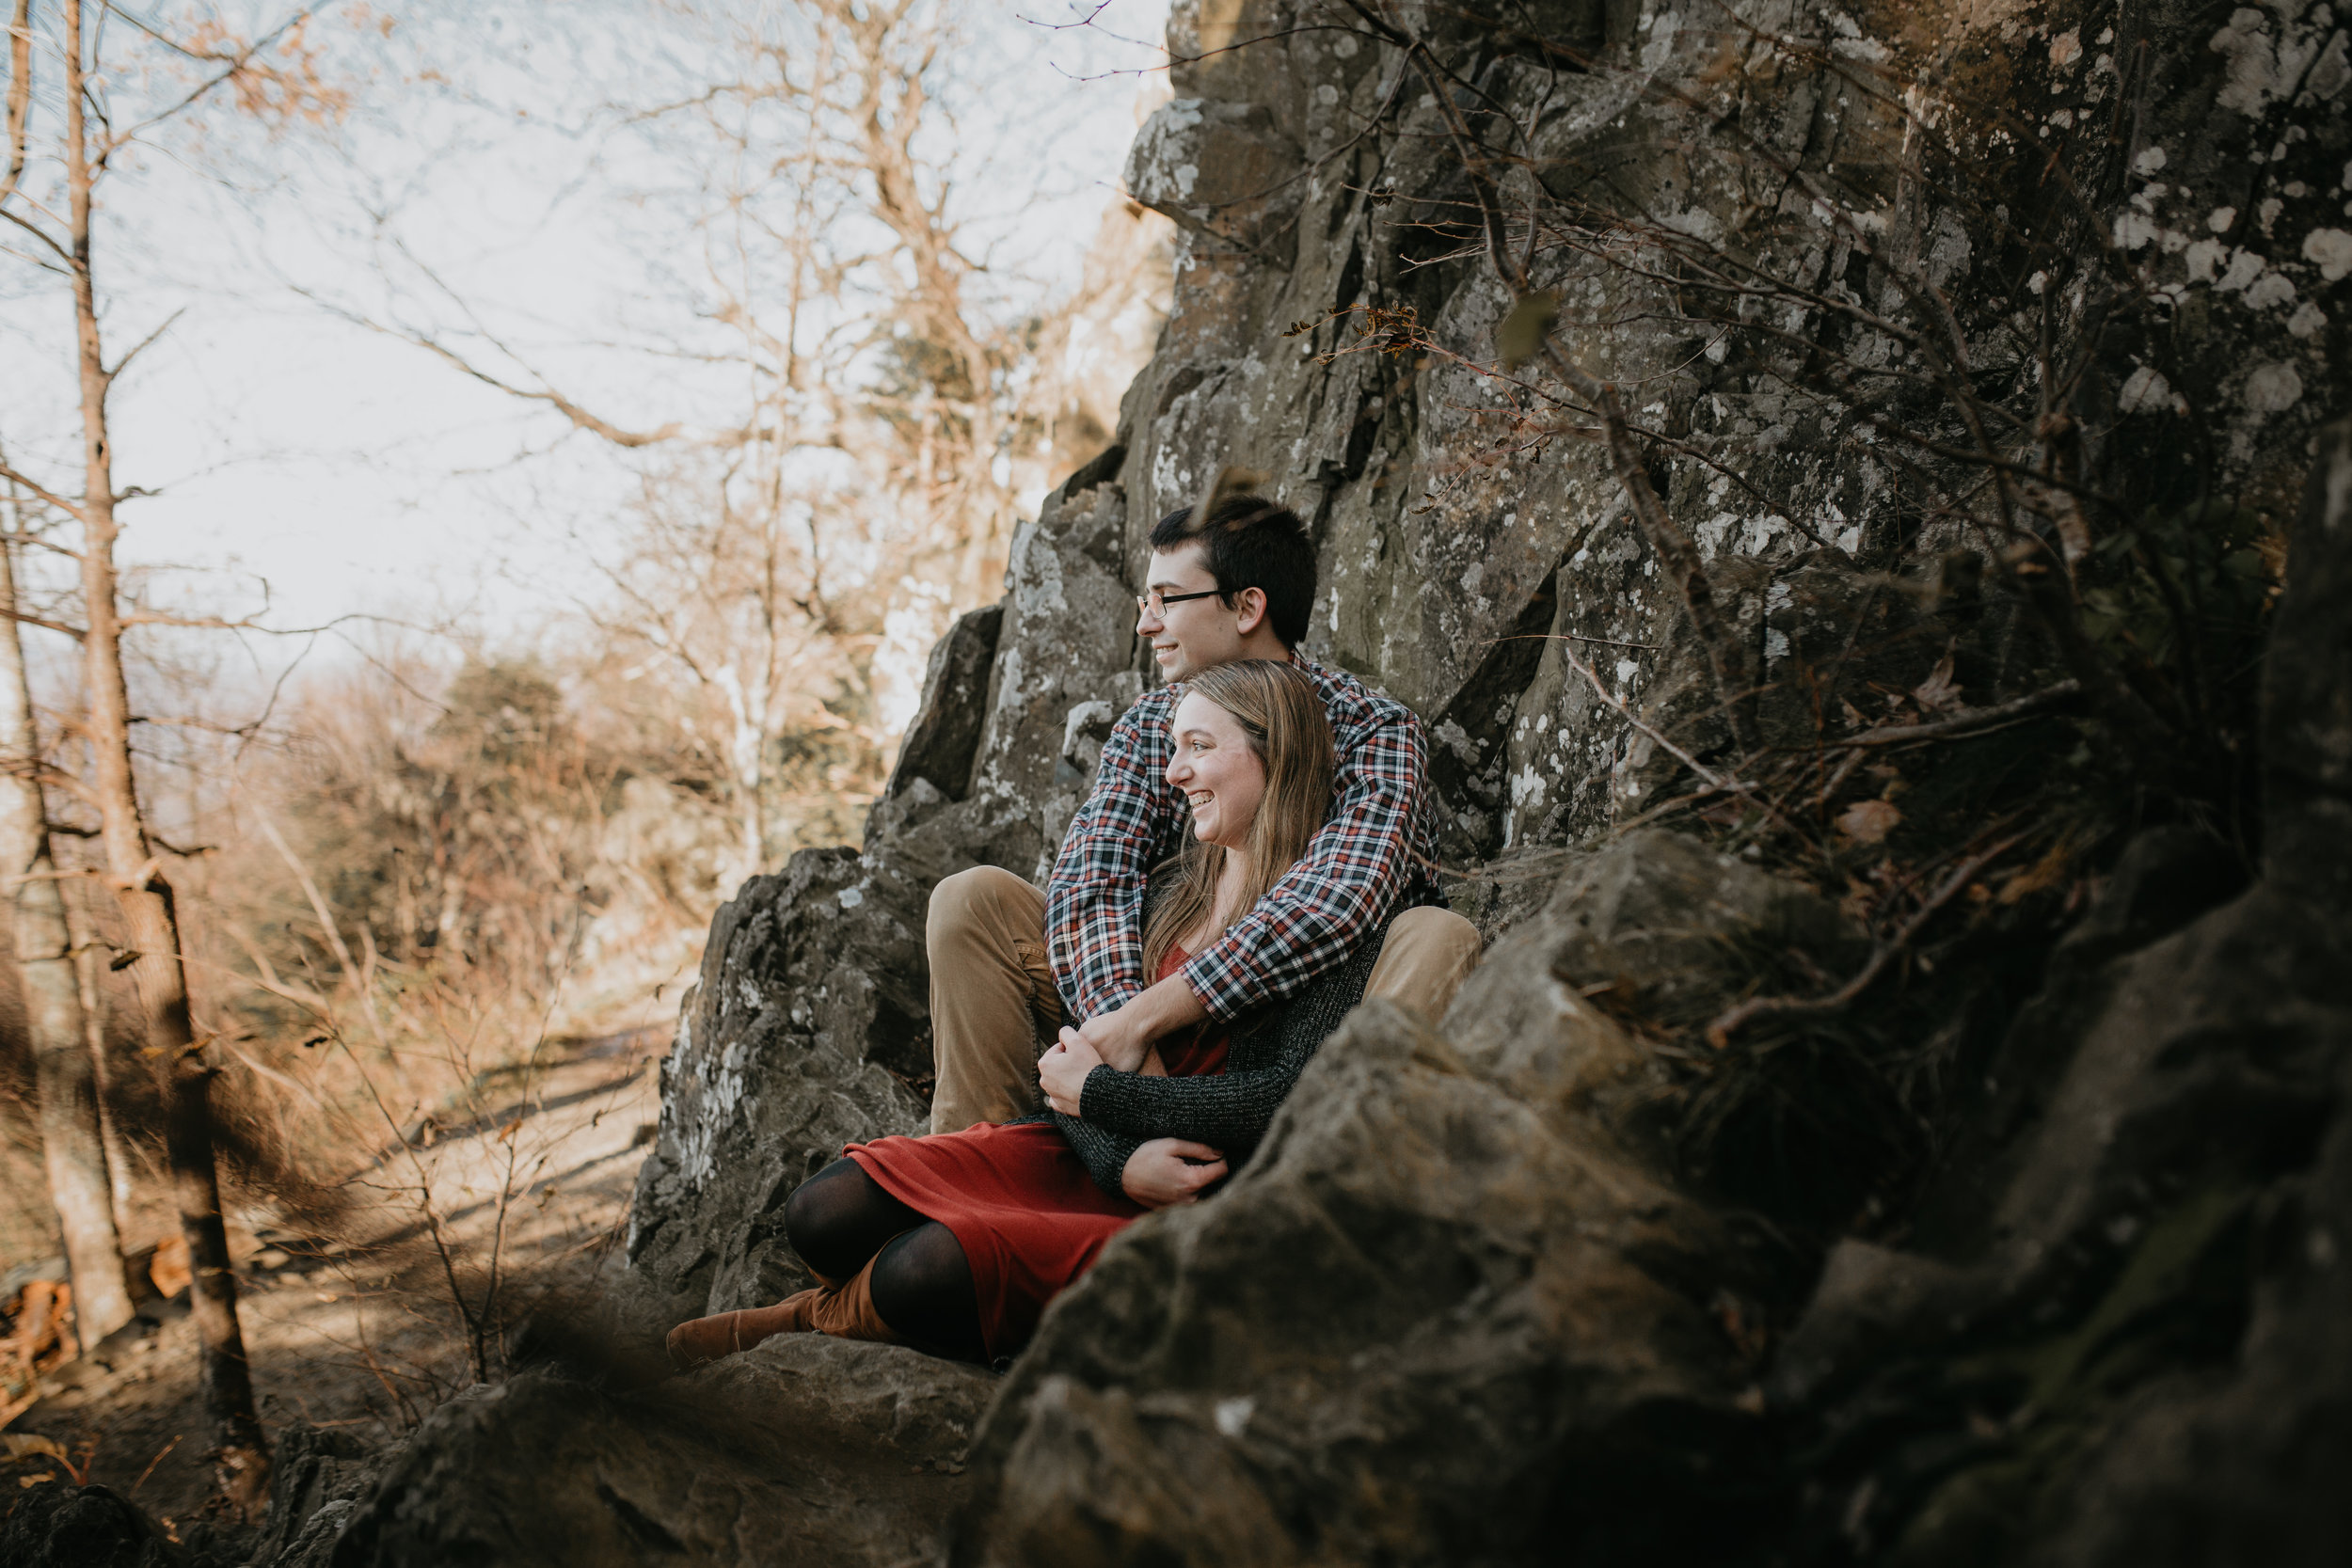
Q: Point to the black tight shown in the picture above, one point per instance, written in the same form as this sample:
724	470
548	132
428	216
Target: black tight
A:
840	1218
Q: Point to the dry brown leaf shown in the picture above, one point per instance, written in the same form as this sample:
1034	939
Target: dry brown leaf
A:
1938	693
168	1269
1869	821
2046	872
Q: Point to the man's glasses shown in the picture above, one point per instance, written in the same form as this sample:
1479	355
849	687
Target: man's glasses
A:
1157	603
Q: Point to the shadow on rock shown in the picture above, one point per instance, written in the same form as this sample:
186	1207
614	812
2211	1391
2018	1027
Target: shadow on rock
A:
805	1450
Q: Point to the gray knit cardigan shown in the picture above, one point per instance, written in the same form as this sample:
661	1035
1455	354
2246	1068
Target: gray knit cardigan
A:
1270	1046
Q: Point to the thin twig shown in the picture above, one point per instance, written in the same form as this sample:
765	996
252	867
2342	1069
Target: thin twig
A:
1734	1019
1712	778
1967	722
153	1462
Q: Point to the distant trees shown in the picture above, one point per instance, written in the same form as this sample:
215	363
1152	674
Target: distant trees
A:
442	851
895	415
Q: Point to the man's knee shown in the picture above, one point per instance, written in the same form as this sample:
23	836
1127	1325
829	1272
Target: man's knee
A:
1443	935
979	897
1428	954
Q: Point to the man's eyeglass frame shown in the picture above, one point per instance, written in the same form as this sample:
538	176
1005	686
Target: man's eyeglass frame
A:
1155	603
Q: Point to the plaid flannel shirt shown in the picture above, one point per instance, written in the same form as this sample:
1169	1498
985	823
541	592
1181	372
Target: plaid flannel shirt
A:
1374	855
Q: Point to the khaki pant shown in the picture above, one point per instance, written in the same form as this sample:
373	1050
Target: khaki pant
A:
993	986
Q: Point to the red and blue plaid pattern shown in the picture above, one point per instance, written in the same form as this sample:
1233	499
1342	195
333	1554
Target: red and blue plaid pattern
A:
1377	854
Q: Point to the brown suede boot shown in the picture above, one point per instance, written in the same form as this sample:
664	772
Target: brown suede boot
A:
849	1313
703	1340
846	1311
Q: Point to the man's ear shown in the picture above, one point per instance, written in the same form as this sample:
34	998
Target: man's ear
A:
1249	611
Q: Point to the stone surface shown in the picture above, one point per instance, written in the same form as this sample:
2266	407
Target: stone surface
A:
2123	1339
938	746
805	1450
315	1482
56	1524
1429	1320
1222	170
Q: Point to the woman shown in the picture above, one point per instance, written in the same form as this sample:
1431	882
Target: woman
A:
955	1243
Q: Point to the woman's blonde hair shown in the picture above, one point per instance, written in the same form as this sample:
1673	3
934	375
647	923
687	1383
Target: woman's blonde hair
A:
1289	734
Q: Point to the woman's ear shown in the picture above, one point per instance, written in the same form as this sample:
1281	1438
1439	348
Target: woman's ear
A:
1249	609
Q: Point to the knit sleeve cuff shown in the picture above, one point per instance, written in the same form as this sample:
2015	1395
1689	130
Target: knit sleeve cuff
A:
1099	1098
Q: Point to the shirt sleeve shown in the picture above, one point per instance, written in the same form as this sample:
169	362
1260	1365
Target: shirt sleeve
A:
1353	874
1094	899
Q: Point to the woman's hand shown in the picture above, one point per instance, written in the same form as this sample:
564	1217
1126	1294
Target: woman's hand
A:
1169	1171
1061	1072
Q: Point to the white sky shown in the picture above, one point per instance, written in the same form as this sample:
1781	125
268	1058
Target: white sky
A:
355	473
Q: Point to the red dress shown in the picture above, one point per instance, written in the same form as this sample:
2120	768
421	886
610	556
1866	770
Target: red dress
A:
1029	1218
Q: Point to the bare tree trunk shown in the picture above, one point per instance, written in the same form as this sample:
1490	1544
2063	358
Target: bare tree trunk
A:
71	1143
78	917
242	1457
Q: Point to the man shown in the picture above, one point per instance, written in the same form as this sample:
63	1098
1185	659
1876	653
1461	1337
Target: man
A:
1001	951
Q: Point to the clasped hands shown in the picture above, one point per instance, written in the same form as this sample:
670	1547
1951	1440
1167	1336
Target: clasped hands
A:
1164	1171
1120	1039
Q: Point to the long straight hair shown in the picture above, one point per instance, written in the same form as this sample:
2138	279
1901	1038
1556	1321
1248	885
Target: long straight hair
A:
1289	734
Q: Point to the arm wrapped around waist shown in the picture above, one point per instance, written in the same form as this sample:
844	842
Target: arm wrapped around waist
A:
1222	1109
1233	1109
1104	1152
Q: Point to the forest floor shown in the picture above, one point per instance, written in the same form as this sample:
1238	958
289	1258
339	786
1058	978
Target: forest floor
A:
358	1329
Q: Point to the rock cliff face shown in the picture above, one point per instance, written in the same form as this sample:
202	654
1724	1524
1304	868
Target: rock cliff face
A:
2022	1235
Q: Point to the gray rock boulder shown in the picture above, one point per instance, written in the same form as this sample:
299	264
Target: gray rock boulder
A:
2120	1336
1223	171
805	1450
1454	1310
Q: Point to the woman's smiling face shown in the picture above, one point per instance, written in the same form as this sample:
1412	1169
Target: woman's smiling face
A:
1217	772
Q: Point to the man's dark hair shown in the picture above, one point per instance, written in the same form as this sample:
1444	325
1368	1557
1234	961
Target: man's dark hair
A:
1251	543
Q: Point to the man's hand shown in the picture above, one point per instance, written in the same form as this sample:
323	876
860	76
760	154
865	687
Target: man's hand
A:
1123	1036
1061	1072
1169	1171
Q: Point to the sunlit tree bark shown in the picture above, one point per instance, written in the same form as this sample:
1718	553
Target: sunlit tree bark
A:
73	1146
148	915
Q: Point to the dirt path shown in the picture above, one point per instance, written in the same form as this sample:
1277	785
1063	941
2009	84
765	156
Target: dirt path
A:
358	1330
